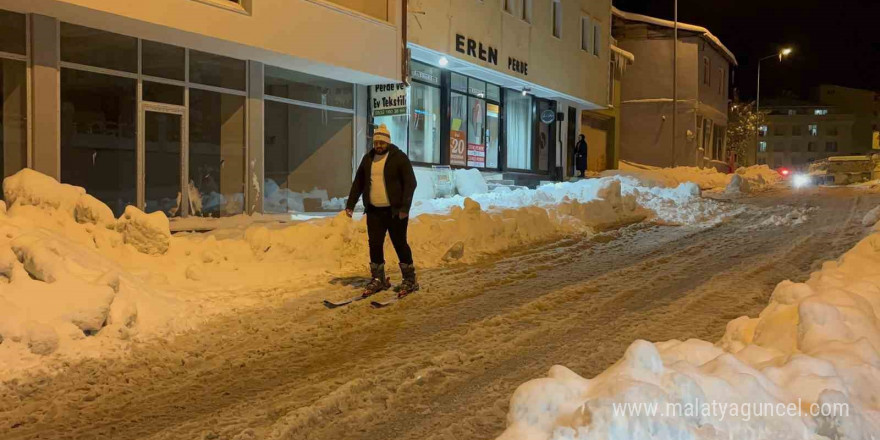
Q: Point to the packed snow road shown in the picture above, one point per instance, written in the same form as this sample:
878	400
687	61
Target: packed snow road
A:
443	363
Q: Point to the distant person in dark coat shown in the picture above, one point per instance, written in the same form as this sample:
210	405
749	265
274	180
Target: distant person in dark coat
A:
580	156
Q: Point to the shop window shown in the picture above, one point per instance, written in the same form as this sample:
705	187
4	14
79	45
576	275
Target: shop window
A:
424	128
476	88
216	153
163	60
459	83
216	70
93	47
476	147
458	137
13	120
12	32
301	145
493	134
98	136
163	93
518	129
556	15
425	73
163	149
300	86
493	93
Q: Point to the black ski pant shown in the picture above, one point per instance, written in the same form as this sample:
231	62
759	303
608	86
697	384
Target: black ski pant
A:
381	221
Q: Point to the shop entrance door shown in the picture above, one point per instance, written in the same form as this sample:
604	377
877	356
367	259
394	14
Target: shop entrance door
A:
162	159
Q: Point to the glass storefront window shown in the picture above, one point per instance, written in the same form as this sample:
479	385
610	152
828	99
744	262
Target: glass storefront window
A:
13	120
302	146
12	32
163	151
493	132
493	93
476	147
308	88
164	93
93	47
459	83
98	136
216	153
424	137
477	88
518	129
163	60
425	73
458	137
217	70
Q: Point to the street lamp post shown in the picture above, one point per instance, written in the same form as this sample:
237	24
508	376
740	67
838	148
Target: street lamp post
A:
781	55
674	79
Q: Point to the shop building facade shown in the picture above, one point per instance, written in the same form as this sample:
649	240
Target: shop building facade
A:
256	106
495	84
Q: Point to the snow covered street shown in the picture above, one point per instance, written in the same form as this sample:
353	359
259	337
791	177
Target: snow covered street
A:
444	363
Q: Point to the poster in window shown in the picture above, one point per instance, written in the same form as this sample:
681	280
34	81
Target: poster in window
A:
476	155
457	148
389	99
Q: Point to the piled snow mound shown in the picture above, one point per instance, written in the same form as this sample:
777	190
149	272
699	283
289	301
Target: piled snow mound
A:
148	233
750	179
31	188
807	367
470	182
872	217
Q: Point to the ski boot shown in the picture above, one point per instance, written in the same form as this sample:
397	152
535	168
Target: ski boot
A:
379	282
409	284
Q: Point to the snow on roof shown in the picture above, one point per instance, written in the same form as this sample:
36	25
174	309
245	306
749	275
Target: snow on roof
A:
628	55
848	158
683	26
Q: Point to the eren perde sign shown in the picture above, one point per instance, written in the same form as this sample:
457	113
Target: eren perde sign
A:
488	54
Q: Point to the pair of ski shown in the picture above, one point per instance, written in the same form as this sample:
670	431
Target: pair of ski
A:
376	304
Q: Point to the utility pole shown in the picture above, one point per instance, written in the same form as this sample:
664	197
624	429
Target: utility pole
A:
674	79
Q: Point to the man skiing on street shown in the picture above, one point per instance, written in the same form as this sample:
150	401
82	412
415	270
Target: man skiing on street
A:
387	182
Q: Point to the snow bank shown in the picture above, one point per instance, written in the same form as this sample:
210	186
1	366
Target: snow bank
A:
750	179
75	282
807	367
469	182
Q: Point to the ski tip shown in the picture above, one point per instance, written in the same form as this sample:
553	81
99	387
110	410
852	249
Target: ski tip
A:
377	304
332	305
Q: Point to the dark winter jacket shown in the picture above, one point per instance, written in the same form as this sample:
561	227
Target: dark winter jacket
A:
400	181
580	155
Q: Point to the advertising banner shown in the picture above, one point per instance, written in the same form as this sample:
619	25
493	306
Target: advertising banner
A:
457	148
389	99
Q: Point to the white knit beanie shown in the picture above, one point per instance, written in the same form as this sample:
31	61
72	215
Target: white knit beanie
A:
382	134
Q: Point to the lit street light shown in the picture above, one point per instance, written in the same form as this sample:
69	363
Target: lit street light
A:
781	54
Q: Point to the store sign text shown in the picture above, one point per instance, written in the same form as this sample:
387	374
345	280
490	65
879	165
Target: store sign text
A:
476	49
518	66
389	99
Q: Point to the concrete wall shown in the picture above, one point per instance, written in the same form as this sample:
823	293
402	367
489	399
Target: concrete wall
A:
558	64
651	75
646	134
861	104
312	36
789	150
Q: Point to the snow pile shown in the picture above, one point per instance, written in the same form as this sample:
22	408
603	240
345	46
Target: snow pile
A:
148	233
750	179
872	217
795	217
807	367
469	182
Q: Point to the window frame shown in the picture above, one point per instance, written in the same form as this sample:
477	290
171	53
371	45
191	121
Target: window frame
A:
596	29
525	14
507	6
707	71
721	76
556	19
586	33
486	102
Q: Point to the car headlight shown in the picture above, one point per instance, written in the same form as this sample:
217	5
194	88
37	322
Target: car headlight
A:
800	180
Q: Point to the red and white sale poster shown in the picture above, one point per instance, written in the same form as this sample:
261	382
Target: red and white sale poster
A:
457	148
476	155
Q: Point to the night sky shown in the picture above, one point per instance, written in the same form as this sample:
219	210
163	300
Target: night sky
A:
835	42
